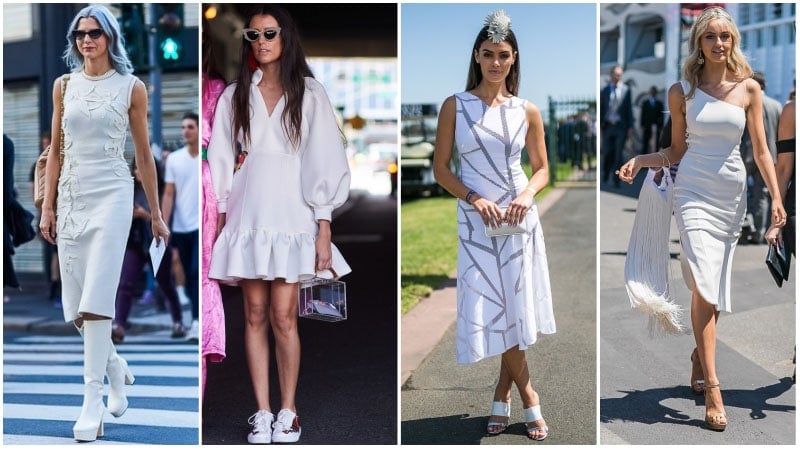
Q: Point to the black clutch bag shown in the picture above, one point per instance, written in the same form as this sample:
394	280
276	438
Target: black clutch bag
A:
778	264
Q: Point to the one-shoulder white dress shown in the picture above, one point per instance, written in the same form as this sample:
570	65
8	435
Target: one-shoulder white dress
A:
710	194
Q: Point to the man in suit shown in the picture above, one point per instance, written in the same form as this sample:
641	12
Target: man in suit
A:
616	122
652	114
759	203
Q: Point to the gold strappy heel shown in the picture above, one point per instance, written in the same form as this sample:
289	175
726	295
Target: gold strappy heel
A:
713	420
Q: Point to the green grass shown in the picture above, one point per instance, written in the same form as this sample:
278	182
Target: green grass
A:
429	243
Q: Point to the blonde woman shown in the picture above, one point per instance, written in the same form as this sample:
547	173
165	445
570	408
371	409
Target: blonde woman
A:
710	109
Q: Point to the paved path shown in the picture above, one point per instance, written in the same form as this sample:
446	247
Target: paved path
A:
644	393
443	403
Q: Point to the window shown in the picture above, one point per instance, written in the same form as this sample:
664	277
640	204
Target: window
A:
777	10
744	14
759	38
760	12
17	22
776	35
745	40
790	32
609	46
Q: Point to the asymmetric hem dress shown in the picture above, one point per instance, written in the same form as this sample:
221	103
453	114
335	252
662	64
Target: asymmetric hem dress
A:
95	192
273	202
503	285
710	195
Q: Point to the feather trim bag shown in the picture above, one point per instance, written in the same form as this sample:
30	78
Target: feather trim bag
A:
647	261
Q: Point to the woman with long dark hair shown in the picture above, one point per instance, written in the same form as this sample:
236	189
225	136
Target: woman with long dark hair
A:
275	201
709	109
95	198
503	287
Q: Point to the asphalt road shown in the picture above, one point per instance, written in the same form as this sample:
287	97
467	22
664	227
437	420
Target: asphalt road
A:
347	390
644	392
444	403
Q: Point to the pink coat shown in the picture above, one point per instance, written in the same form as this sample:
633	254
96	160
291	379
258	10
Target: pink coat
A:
213	344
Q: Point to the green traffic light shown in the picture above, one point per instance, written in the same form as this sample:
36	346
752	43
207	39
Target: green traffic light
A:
170	49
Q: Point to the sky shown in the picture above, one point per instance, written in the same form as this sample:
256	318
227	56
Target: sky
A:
557	48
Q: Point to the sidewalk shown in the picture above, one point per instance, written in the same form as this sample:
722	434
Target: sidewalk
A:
444	403
644	381
30	311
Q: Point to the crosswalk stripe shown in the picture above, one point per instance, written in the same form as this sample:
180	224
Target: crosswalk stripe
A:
78	357
135	390
77	370
77	347
24	439
133	416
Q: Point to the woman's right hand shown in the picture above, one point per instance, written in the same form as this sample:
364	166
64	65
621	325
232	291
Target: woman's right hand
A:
629	170
47	225
491	214
160	230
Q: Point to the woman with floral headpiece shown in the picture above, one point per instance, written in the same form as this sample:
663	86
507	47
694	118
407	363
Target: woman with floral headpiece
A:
503	286
709	109
275	204
101	99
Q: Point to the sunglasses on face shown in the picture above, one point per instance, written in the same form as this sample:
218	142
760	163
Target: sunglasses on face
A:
251	34
79	35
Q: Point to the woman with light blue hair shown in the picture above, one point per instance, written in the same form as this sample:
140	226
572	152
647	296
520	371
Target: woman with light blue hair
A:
88	198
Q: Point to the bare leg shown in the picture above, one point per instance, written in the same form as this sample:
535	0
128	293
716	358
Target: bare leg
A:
704	323
517	367
502	393
283	316
256	339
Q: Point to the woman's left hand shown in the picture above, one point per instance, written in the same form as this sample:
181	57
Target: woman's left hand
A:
515	213
324	254
778	215
160	230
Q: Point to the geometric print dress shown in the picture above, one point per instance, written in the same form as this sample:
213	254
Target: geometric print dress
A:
503	285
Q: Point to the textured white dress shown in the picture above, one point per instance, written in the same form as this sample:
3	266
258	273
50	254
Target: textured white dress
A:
503	285
272	203
95	192
710	194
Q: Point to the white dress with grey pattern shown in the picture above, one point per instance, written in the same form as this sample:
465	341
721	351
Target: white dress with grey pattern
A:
503	283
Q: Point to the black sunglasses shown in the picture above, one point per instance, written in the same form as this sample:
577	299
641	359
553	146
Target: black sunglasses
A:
79	35
251	34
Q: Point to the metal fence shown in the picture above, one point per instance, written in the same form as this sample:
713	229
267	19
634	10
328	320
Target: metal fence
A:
572	139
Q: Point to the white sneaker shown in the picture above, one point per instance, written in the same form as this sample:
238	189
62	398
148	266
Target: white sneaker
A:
286	428
262	424
194	332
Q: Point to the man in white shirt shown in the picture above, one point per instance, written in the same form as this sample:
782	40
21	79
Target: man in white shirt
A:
180	203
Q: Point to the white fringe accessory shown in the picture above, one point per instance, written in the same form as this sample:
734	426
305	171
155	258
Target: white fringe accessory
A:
647	261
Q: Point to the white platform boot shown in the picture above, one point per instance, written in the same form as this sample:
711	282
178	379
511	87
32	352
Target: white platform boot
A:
96	339
119	375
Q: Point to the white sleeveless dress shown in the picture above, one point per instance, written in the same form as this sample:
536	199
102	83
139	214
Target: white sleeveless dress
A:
710	195
95	192
503	286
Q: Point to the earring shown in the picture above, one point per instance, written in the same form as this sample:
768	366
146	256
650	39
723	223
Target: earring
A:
701	60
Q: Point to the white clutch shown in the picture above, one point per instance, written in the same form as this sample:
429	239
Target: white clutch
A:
505	229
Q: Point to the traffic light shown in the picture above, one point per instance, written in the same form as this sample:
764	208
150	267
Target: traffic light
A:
169	33
134	32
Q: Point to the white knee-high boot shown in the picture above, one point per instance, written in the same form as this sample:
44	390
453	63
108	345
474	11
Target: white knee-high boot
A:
96	339
118	376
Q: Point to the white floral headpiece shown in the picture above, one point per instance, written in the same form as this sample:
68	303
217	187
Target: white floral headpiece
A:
499	25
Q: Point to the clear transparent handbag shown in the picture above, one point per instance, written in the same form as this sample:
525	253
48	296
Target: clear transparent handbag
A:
323	299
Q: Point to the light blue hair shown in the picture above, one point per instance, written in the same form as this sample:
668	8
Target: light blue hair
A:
116	42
